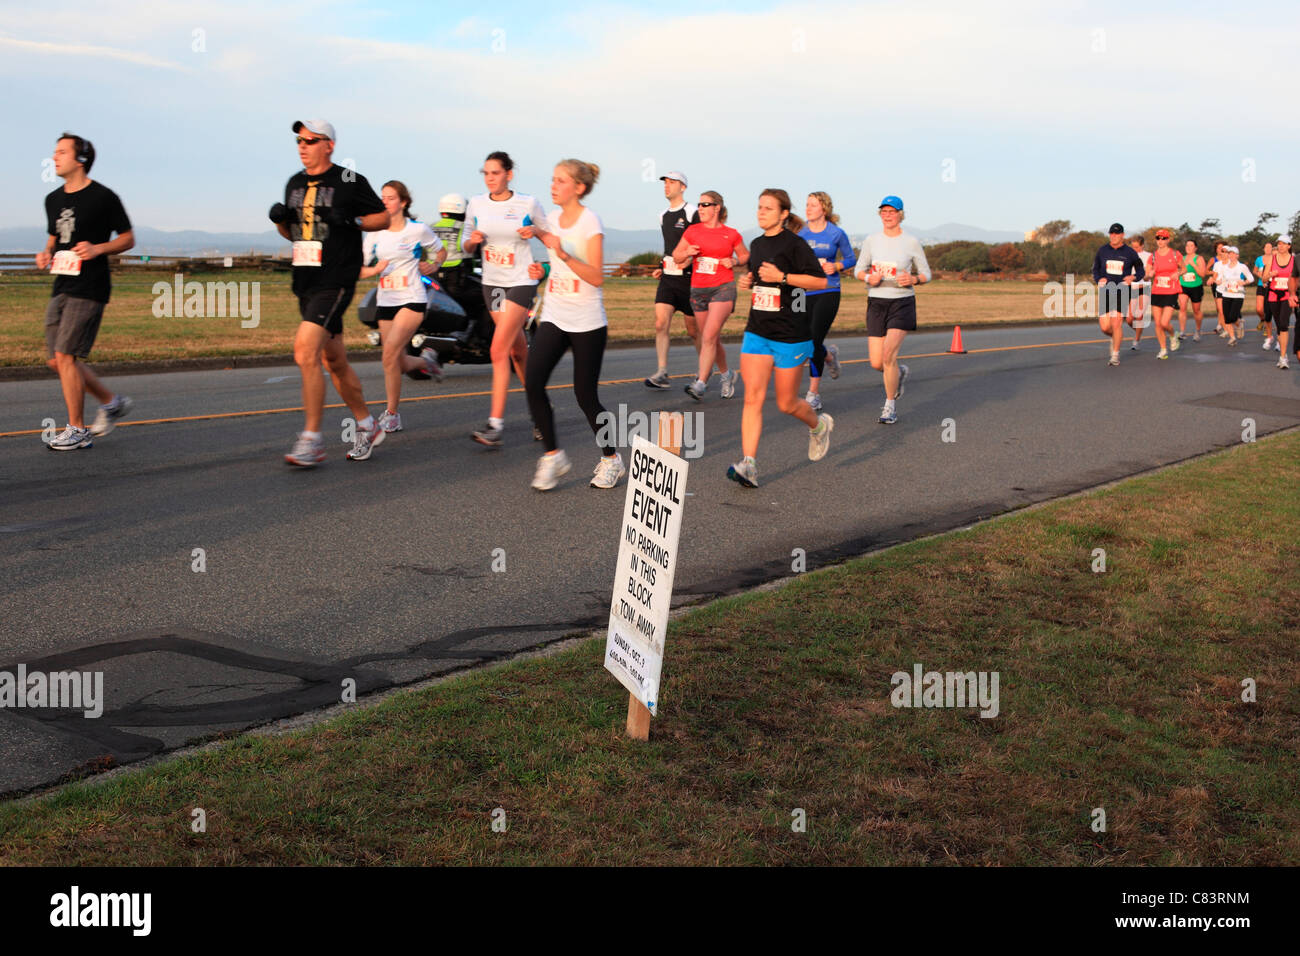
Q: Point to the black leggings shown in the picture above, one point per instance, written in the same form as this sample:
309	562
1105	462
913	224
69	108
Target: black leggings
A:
822	309
1279	313
548	347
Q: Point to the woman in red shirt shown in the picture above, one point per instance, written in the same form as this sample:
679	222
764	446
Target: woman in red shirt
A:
1166	264
716	249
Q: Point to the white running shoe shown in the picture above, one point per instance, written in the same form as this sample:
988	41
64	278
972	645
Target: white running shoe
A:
1114	358
814	399
107	416
819	438
902	377
832	362
550	469
390	421
1163	354
71	438
306	453
1283	363
609	471
1175	341
728	386
1268	343
365	442
432	367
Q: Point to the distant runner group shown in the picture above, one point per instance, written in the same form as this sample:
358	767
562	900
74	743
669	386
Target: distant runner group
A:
791	274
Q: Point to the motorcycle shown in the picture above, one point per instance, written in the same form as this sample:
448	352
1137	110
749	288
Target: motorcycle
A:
457	324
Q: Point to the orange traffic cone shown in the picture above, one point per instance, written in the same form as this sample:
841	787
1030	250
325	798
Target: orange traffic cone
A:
956	347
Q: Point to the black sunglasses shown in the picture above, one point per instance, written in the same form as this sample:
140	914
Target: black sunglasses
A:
706	205
305	141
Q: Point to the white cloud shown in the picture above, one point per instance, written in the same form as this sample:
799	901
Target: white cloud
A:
86	49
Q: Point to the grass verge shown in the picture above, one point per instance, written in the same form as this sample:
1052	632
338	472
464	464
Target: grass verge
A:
1119	690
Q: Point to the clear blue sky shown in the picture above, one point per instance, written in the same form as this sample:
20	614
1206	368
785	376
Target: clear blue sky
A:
999	115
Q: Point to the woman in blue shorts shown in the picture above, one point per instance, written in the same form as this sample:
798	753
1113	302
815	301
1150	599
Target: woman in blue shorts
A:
778	339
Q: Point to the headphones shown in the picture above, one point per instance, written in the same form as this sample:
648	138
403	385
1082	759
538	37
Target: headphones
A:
83	146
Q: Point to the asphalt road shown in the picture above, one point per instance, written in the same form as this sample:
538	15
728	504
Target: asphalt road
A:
381	571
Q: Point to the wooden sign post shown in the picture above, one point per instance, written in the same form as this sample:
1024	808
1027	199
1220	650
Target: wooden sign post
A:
647	561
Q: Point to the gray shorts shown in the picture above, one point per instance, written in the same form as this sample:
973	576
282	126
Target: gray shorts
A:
71	324
703	295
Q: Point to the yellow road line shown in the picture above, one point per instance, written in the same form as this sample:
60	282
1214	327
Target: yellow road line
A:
434	398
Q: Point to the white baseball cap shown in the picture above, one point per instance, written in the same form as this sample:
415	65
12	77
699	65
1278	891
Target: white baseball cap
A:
318	126
1231	249
452	203
677	175
1286	239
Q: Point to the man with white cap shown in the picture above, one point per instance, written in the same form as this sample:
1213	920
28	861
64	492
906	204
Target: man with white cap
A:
325	209
674	291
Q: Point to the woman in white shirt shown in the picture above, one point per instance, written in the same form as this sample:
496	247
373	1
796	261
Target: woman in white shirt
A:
573	317
1231	278
397	255
501	221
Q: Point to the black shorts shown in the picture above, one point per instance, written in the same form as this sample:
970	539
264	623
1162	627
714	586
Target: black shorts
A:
1194	293
496	296
325	307
1231	310
675	291
1114	297
883	314
1279	313
1163	301
386	313
71	324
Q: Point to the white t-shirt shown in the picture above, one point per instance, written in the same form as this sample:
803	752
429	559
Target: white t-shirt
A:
1231	281
571	303
506	256
1146	270
891	255
400	283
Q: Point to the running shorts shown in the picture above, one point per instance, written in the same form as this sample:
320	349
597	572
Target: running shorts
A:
1164	301
885	314
325	307
71	324
703	295
675	291
784	354
1231	310
1194	293
386	313
496	296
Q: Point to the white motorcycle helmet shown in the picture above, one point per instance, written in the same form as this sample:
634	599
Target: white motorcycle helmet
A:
452	204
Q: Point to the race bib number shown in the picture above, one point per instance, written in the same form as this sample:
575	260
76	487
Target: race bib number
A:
1114	267
766	298
671	268
66	263
395	282
562	285
1279	283
307	252
1164	282
502	256
886	270
705	266
1234	285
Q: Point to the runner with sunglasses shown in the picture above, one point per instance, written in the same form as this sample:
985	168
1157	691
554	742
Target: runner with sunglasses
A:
502	221
1165	265
714	249
325	210
834	251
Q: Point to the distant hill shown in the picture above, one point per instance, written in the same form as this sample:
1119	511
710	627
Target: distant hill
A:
620	244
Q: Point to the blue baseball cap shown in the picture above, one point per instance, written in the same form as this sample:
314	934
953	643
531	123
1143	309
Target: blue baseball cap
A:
892	201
